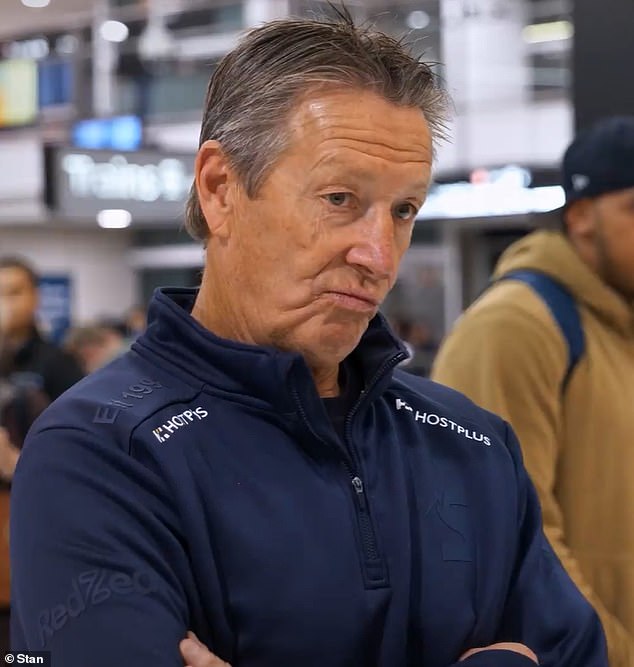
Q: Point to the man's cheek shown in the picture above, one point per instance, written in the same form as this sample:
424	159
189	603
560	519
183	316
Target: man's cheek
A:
7	314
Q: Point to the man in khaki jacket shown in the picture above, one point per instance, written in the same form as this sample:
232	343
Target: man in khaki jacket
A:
509	354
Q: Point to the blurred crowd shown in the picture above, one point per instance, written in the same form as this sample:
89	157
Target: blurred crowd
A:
421	343
94	345
33	370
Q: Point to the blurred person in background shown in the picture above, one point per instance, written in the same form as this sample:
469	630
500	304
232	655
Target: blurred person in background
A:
254	469
95	346
136	321
20	405
33	371
32	374
421	345
24	354
550	347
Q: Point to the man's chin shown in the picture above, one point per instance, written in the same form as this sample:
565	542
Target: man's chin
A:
329	339
339	339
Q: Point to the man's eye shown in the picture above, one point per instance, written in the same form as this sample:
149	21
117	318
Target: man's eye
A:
405	211
338	198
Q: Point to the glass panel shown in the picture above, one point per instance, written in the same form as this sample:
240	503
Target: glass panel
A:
418	21
223	18
172	89
548	35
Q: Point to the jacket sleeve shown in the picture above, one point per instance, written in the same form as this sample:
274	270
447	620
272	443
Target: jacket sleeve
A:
512	363
98	568
544	609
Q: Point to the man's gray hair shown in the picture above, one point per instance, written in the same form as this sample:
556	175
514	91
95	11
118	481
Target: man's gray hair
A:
256	86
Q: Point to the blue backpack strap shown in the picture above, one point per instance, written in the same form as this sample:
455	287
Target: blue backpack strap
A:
564	309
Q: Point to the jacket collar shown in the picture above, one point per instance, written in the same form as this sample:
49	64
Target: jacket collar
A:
277	378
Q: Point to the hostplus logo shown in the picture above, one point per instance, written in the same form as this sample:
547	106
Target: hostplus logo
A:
433	419
173	424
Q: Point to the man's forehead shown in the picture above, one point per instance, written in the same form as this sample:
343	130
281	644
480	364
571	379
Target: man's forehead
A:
624	193
363	118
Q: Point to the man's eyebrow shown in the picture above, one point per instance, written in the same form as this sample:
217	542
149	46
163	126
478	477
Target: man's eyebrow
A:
360	174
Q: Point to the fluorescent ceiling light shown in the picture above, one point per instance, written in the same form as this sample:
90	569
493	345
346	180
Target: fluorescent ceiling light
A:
555	31
36	4
114	218
463	200
417	20
114	31
156	41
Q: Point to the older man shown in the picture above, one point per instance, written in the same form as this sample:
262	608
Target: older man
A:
255	470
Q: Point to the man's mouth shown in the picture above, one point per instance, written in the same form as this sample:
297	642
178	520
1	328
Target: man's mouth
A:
356	300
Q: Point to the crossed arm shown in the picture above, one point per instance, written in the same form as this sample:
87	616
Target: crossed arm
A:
196	654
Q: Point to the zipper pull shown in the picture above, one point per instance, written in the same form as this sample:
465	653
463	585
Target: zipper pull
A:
357	483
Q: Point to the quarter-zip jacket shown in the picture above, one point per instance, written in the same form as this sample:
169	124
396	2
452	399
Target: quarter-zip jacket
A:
197	483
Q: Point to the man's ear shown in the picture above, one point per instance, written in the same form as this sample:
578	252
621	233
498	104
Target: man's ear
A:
580	219
215	184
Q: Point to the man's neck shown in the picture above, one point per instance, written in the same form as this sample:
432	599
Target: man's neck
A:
223	322
327	381
217	316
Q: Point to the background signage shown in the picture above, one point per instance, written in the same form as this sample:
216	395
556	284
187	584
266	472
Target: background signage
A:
18	93
55	311
153	187
121	133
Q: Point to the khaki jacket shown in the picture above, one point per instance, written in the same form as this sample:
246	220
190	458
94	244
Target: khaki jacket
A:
508	354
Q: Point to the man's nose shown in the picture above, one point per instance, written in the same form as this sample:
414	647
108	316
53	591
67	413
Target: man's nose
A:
374	250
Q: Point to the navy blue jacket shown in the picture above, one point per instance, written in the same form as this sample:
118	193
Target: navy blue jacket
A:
198	483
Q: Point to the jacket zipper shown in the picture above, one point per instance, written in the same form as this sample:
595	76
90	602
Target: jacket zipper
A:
368	537
351	465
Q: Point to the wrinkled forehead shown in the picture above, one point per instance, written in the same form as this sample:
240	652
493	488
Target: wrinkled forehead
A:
364	121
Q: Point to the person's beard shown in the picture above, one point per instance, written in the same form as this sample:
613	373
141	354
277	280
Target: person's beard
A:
608	270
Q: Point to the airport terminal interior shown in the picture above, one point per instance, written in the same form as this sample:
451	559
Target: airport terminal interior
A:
101	104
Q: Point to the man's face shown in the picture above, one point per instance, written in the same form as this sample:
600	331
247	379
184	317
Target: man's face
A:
311	257
614	224
18	301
